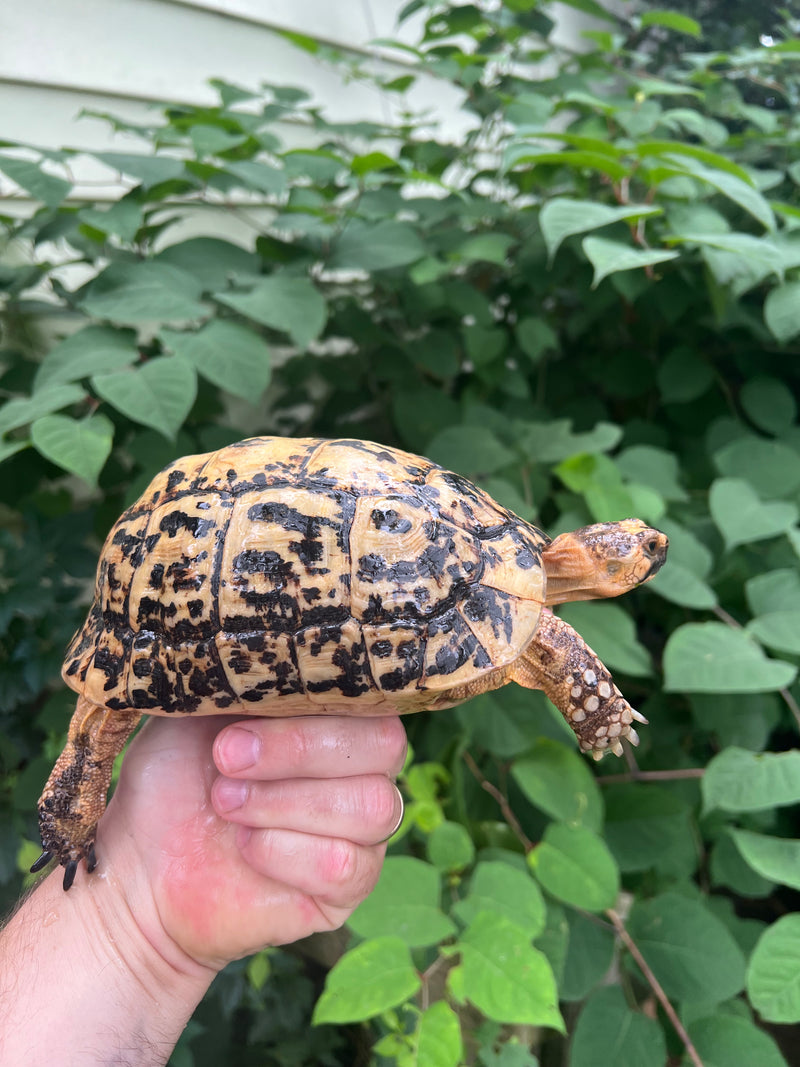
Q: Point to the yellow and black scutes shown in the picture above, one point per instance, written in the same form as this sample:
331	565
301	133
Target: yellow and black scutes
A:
278	576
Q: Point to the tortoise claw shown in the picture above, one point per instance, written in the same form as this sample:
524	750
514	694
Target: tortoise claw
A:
42	862
91	859
69	873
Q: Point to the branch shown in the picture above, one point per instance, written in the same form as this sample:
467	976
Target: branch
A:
502	800
653	776
655	985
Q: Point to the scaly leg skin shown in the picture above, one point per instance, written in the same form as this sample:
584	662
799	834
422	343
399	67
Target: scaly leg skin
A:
75	795
560	662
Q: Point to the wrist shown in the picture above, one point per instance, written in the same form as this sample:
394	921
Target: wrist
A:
117	991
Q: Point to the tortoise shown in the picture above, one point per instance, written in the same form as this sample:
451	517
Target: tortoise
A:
286	577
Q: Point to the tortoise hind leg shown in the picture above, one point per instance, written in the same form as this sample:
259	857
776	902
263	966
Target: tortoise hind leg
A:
560	662
75	795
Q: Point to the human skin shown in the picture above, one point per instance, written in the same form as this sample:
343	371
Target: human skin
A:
221	838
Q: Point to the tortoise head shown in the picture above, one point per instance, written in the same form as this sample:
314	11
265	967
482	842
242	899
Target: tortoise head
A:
602	560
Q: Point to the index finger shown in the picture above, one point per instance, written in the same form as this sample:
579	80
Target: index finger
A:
312	746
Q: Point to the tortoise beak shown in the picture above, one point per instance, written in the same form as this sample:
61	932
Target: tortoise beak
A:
656	551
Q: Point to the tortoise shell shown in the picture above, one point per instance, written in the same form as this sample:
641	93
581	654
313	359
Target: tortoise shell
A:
276	574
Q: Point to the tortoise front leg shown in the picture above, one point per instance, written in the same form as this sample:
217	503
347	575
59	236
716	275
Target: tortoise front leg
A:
560	662
75	795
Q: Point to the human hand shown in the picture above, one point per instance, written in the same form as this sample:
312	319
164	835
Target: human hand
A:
217	859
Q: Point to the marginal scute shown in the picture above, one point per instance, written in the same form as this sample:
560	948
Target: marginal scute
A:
277	576
333	664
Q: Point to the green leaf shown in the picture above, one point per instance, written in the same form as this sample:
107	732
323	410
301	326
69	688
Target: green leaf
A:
438	1037
608	1031
284	302
689	950
736	185
485	247
773	591
80	446
680	585
727	1040
373	161
611	632
483	344
771	466
450	847
214	263
92	350
536	337
775	858
149	170
559	782
405	903
122	219
710	657
144	291
10	448
228	354
672	21
773	977
609	257
782	311
258	176
550	442
729	869
738	780
469	450
590	953
29	176
160	393
646	826
500	889
694	122
779	630
654	467
376	246
768	402
684	375
24	409
211	140
506	978
602	162
562	217
742	517
574	865
367	980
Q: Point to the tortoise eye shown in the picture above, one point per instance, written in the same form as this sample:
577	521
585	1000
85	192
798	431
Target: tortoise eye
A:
652	546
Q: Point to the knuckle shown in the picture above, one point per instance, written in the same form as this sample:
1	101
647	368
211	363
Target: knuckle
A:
340	866
296	743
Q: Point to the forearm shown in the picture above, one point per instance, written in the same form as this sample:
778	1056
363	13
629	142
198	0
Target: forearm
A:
81	980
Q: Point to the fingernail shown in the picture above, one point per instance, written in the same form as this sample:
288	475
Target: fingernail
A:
237	749
229	794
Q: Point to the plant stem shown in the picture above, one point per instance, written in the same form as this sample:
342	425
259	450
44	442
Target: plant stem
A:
653	776
655	985
502	800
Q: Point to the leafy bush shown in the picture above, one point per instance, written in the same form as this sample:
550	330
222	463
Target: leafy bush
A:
591	306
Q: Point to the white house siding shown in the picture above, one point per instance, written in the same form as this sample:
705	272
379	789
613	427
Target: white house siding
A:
60	57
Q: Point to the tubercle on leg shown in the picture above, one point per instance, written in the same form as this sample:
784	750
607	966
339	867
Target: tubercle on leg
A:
559	662
74	797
